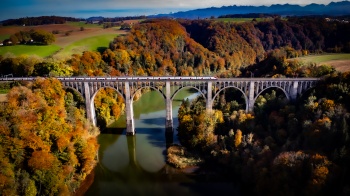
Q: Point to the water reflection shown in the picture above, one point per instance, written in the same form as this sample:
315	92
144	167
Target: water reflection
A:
136	165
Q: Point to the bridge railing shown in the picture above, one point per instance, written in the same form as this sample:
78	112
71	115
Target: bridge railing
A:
160	78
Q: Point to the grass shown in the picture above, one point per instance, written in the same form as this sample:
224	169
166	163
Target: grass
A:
340	61
42	51
4	91
323	58
179	157
3	37
94	37
95	43
83	24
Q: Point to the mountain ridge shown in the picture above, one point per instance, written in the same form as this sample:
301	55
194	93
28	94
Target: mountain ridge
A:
332	9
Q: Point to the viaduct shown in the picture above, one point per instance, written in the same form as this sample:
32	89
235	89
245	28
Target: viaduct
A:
209	87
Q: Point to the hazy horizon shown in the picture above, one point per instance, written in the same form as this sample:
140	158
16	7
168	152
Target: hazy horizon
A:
12	9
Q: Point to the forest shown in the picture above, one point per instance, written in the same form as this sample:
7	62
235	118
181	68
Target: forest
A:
281	148
38	37
47	146
41	20
45	20
305	143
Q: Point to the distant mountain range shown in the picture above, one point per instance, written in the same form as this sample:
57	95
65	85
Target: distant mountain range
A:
332	9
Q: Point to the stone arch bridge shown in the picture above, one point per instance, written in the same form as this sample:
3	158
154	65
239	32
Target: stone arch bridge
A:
209	87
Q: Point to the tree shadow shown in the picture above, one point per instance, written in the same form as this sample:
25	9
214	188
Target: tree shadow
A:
154	121
101	49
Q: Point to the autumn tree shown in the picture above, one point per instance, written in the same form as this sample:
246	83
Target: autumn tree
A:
51	148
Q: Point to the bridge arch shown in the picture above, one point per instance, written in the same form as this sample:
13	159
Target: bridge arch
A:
303	95
190	87
78	97
73	89
272	87
106	87
144	87
92	101
234	87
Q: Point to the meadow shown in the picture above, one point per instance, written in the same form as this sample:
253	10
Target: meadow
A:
95	43
39	50
340	61
70	39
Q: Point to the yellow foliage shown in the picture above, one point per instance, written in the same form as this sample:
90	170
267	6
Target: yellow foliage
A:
187	118
238	138
219	117
38	116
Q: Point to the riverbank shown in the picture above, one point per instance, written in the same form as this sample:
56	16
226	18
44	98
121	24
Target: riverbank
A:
179	157
85	184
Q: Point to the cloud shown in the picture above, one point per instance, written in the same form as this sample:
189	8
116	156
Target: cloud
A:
115	4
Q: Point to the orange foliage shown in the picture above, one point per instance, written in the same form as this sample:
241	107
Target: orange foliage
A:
41	160
89	63
88	153
62	143
238	138
35	131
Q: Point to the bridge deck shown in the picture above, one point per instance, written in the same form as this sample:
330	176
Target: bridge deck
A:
157	79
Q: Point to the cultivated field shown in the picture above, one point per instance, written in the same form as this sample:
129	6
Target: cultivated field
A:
68	34
341	62
95	43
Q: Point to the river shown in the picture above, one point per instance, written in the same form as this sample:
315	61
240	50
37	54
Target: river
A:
136	165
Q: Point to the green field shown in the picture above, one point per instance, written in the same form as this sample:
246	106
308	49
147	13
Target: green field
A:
4	91
42	51
341	61
96	43
3	37
82	24
323	58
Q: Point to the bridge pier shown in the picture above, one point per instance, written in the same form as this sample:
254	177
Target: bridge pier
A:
89	105
294	91
130	126
169	126
209	103
251	101
169	138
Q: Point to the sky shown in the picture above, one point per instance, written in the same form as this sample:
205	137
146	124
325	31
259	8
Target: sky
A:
114	8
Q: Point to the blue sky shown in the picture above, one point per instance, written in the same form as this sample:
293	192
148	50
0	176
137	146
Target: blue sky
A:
113	8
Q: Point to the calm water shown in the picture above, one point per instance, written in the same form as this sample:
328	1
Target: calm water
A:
135	165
